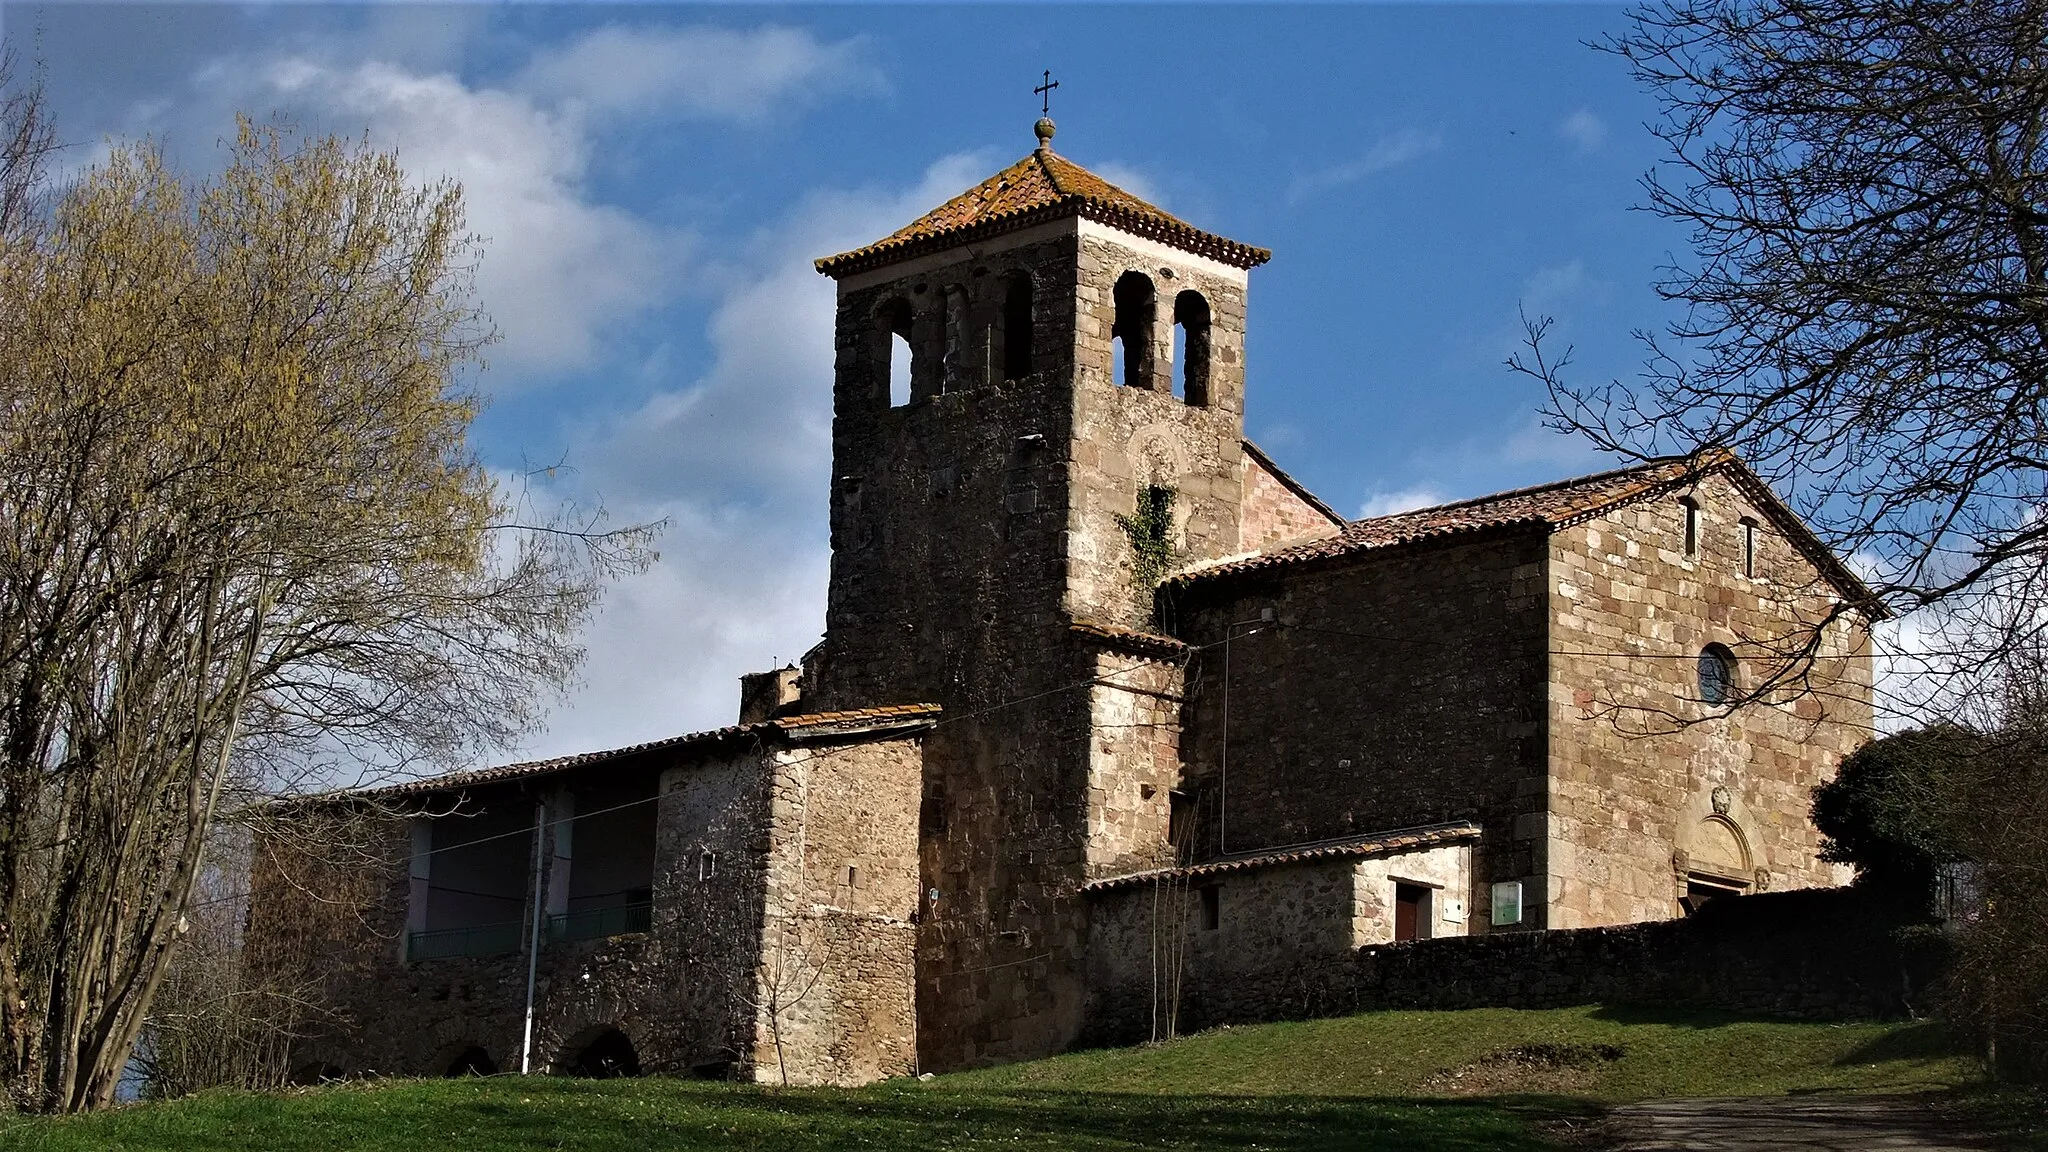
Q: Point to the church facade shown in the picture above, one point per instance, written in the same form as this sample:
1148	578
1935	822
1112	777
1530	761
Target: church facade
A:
1115	728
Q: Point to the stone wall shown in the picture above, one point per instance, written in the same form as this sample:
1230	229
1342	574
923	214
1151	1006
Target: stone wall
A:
1814	954
1648	781
1282	944
836	986
747	842
1134	762
1272	514
1394	689
970	527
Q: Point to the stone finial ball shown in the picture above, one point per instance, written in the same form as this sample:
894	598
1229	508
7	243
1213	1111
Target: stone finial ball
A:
1044	129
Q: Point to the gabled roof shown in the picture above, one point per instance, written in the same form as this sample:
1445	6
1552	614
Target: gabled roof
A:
816	725
1042	186
1548	508
1368	844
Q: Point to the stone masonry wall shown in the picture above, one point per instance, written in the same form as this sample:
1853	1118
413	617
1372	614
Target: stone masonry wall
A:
1816	954
1272	515
1648	782
689	993
1397	689
969	527
1130	437
836	987
949	543
1285	940
1134	762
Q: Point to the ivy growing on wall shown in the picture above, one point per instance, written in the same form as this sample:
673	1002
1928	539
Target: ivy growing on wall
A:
1152	552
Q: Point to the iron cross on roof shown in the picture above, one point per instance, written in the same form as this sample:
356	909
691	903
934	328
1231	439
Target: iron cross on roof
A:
1044	93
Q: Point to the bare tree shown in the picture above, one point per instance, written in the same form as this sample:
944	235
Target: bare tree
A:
1866	186
240	534
1867	309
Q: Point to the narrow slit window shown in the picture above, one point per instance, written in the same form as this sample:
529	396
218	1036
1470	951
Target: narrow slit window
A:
707	865
1748	547
1691	509
1212	907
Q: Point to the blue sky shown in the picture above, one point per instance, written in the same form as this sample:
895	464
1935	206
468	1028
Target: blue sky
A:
653	182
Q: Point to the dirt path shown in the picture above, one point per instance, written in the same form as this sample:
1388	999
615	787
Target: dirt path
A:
1797	1123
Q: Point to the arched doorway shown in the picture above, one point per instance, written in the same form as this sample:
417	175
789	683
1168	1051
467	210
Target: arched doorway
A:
600	1054
471	1061
1717	863
315	1072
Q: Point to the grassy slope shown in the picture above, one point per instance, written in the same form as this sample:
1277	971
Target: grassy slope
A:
1360	1084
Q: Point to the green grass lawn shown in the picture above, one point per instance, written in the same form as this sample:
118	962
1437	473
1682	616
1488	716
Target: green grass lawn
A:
1401	1080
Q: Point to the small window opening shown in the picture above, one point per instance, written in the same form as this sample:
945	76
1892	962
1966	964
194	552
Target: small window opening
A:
1212	907
1411	911
1017	327
1717	674
894	321
1131	334
1692	524
707	865
1748	547
1191	347
1180	819
852	876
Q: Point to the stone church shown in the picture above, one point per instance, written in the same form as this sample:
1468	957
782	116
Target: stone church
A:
1115	727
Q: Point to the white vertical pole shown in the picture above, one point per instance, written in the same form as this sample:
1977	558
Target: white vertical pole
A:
540	823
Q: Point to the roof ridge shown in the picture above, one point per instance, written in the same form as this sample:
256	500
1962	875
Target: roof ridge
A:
1534	489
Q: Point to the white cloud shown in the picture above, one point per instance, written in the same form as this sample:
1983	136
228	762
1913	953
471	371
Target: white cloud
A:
700	72
1389	151
1384	503
559	270
562	272
738	460
1583	130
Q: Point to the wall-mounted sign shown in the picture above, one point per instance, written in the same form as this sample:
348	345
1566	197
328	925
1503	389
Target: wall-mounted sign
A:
1507	902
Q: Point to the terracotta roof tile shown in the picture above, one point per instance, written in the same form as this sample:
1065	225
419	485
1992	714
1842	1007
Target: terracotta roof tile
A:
1042	186
791	727
1369	844
1547	508
1128	639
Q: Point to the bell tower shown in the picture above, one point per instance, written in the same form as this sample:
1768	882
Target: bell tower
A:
1038	408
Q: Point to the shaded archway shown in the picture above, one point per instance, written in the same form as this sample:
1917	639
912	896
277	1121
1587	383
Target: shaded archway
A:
471	1061
315	1072
600	1054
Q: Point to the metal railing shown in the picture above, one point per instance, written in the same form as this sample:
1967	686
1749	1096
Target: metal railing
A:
481	940
596	923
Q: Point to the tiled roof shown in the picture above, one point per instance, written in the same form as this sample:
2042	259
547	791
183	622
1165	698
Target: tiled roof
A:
1370	844
1042	186
1549	507
1128	639
811	726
